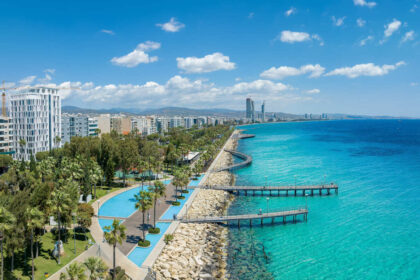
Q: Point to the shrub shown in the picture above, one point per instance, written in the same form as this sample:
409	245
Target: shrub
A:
153	230
144	243
184	191
176	203
180	197
168	238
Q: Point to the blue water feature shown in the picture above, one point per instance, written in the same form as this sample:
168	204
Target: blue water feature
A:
166	182
139	254
174	210
369	230
194	183
121	205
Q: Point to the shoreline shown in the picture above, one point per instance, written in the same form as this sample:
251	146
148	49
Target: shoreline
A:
199	251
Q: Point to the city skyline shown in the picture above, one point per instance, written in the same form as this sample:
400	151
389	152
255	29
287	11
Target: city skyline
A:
350	57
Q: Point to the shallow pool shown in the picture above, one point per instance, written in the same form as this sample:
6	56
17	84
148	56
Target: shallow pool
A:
139	254
194	183
121	205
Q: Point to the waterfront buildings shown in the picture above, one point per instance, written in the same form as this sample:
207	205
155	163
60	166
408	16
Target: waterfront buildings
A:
36	120
77	125
250	109
263	112
6	141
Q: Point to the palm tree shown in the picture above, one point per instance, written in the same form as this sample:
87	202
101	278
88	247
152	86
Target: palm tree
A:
7	221
144	203
96	267
76	271
57	140
114	235
34	219
158	189
59	203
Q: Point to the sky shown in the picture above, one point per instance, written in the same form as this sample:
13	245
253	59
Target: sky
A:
330	56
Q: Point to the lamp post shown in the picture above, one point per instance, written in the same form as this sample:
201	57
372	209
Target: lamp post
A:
268	199
266	181
295	180
325	179
74	230
306	201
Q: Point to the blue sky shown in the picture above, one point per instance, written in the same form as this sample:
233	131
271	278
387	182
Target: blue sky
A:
342	56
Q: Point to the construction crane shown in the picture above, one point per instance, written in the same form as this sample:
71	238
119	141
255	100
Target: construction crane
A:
3	99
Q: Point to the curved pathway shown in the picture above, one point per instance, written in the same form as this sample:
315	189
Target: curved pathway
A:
247	161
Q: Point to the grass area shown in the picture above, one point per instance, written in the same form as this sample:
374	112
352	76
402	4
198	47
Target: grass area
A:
45	262
102	191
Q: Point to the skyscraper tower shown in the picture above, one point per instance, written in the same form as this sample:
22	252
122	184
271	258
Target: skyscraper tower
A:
263	111
250	110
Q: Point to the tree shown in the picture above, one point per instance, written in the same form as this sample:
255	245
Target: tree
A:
60	204
143	203
76	271
34	219
57	141
158	189
84	216
5	161
7	221
128	154
114	234
97	268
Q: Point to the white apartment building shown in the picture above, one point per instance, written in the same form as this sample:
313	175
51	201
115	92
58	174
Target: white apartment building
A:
6	141
104	123
36	121
77	125
144	125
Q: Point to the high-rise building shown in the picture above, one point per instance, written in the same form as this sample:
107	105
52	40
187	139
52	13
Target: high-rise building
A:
250	109
36	119
77	125
121	124
6	141
263	112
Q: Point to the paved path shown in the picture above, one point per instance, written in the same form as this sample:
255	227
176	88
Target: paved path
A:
134	223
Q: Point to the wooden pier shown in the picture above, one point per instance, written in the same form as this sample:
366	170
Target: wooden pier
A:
247	161
294	213
303	190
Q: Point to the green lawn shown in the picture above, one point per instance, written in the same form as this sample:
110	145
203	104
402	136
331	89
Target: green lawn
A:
45	262
102	191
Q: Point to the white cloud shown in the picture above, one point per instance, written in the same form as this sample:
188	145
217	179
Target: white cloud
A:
408	36
106	31
365	40
50	70
209	63
364	3
286	71
171	26
27	80
313	91
360	22
177	91
414	84
288	36
291	37
251	15
290	11
391	27
368	69
137	56
414	8
338	21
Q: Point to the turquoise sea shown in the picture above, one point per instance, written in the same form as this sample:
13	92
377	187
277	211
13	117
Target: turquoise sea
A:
369	230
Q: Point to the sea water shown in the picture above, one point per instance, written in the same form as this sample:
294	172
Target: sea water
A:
369	230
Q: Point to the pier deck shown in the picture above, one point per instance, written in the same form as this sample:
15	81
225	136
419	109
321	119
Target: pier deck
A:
273	190
278	214
247	161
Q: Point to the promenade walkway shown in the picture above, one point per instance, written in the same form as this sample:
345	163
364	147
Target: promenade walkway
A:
247	160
